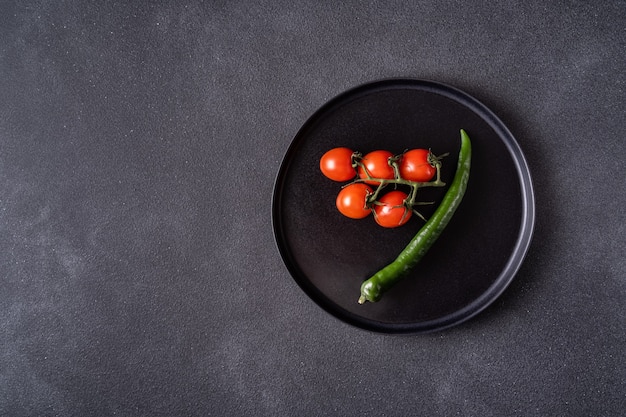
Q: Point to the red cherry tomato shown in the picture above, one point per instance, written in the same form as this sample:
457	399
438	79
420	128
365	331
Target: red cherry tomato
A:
415	165
336	164
352	200
391	212
376	163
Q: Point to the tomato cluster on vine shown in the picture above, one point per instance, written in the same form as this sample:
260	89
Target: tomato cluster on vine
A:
370	176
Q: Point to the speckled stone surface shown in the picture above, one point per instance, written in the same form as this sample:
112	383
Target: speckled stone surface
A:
139	143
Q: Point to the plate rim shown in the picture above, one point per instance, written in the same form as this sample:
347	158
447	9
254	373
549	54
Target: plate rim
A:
518	252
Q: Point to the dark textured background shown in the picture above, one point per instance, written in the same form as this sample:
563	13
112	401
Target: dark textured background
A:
139	142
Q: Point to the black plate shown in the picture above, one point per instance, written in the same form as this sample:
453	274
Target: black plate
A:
477	255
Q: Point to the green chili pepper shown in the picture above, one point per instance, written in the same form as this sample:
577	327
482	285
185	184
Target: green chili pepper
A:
373	288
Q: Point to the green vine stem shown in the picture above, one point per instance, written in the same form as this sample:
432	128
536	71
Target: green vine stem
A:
411	201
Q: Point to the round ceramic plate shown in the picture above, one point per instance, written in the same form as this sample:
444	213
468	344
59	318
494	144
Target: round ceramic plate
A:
475	258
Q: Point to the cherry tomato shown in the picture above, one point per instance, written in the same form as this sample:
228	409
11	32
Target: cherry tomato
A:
352	200
415	165
336	164
377	165
391	212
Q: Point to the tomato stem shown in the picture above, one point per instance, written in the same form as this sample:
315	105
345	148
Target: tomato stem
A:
393	161
413	184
